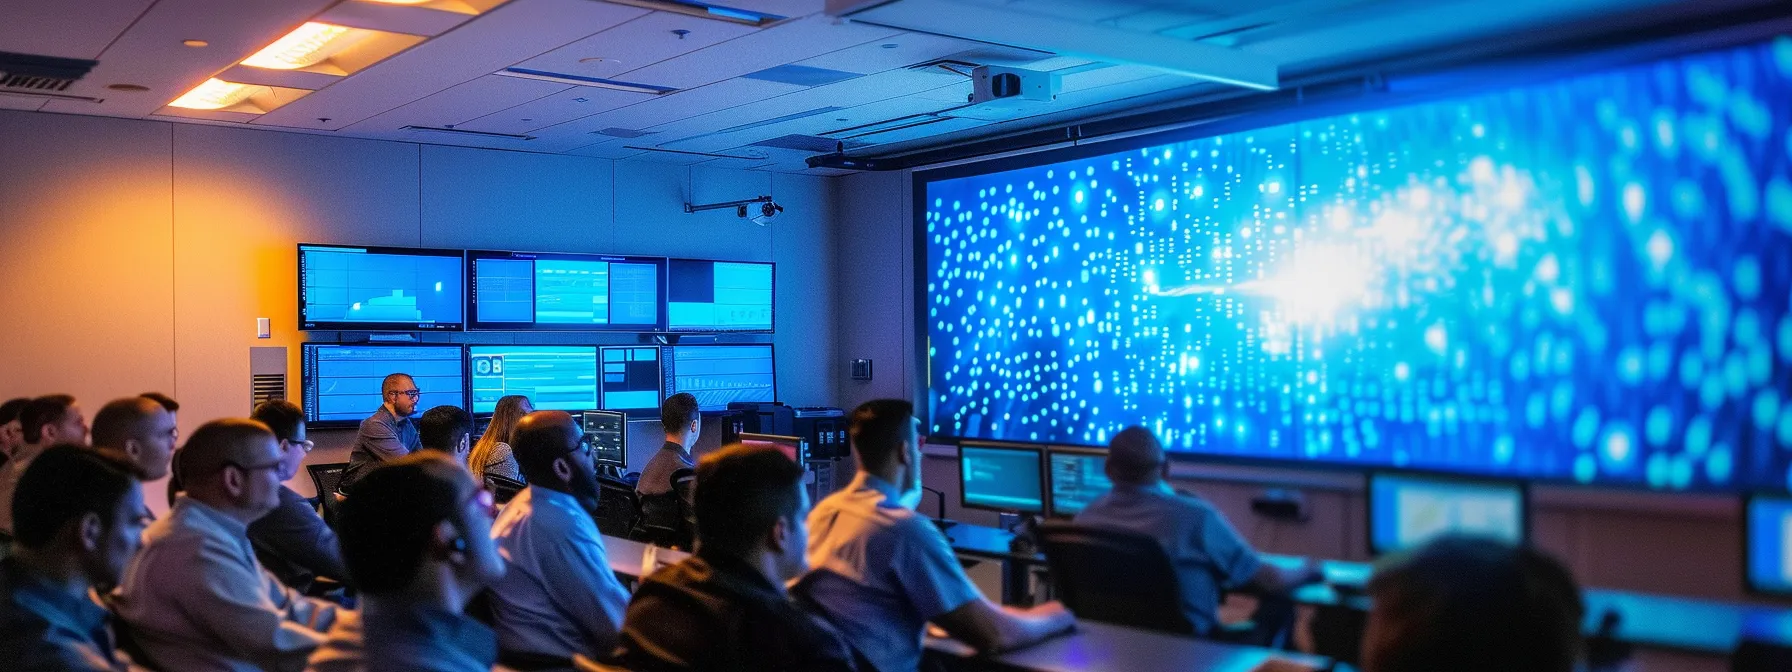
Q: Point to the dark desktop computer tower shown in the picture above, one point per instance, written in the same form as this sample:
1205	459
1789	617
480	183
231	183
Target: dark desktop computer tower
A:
822	428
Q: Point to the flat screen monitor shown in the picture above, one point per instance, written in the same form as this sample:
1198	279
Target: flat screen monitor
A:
1002	476
718	296
631	378
359	288
553	377
1077	477
340	384
792	446
521	291
720	374
1405	511
608	433
1769	540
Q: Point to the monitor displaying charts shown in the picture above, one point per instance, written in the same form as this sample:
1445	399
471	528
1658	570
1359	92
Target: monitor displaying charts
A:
718	296
358	288
720	374
631	378
608	433
567	292
340	384
553	377
1002	477
1405	511
1077	477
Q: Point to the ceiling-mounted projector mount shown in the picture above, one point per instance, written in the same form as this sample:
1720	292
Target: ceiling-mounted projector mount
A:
767	209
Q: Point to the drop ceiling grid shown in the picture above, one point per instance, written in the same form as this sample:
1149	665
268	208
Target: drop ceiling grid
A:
514	31
575	102
653	112
150	53
852	95
50	29
780	44
459	103
637	44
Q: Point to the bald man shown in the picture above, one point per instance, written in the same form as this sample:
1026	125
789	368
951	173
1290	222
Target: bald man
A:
1209	555
389	433
195	597
139	427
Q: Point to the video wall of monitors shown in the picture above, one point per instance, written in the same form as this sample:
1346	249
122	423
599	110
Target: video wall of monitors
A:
341	382
361	288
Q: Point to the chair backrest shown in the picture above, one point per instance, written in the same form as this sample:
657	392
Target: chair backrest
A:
504	488
1114	576
618	508
327	478
1756	656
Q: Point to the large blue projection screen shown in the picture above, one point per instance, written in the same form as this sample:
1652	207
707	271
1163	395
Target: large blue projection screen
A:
1583	280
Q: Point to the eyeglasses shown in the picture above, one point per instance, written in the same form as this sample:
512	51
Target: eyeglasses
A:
307	444
252	468
587	446
412	393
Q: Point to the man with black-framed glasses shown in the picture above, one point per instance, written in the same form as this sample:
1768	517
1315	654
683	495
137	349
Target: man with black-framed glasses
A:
195	598
292	541
389	433
559	596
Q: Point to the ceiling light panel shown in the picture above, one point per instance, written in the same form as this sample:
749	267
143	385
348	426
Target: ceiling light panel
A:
305	46
214	94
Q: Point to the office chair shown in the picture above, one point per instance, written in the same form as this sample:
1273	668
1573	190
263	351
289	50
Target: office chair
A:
667	520
618	507
1114	576
1756	656
327	478
504	488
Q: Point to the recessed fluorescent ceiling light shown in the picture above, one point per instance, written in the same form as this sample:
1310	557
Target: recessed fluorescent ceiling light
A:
306	46
706	10
577	80
214	94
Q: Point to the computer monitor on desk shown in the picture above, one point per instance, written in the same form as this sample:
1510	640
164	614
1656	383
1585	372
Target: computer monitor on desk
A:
1078	476
792	446
1769	539
608	433
1001	477
1405	511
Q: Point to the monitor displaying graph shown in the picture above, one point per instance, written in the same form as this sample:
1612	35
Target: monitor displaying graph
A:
340	384
718	296
1077	477
608	433
530	291
1407	511
553	377
357	288
721	374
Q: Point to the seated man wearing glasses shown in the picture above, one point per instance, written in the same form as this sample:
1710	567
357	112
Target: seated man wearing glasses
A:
389	433
194	597
292	542
559	596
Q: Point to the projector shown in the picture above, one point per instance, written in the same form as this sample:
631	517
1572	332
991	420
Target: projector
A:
992	83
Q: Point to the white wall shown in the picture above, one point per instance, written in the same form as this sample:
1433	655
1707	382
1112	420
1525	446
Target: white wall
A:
139	253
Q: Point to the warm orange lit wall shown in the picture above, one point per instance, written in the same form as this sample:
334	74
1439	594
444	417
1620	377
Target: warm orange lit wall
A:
137	254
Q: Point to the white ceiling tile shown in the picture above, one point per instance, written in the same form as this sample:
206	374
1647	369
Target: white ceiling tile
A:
675	106
778	45
513	32
407	19
893	84
65	30
875	56
150	52
786	8
1094	79
606	150
637	44
461	103
12	102
670	157
573	103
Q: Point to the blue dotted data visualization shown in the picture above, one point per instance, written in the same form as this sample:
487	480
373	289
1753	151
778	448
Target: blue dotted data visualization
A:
1584	280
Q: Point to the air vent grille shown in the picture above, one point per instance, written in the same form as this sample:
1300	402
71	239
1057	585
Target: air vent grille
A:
26	72
267	374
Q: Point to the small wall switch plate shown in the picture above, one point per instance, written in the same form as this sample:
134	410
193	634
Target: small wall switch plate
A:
861	369
263	328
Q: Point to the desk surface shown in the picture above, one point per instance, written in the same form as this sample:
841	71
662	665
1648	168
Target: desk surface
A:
625	556
1102	647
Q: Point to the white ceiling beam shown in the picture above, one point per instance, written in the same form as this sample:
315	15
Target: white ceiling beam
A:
984	23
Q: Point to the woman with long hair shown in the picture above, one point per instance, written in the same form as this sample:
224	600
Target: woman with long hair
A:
492	454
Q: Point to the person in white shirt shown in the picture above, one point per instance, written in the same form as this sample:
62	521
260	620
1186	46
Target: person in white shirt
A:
558	596
195	599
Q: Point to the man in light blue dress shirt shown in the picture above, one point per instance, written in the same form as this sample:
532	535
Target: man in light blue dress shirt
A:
558	597
882	572
1208	554
195	598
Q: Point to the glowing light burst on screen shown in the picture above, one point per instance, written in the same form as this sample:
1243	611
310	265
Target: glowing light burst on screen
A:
1588	279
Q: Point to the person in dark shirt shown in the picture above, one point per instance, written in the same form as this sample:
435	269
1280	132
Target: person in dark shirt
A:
725	608
79	519
292	542
1470	604
447	429
12	435
665	505
388	434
